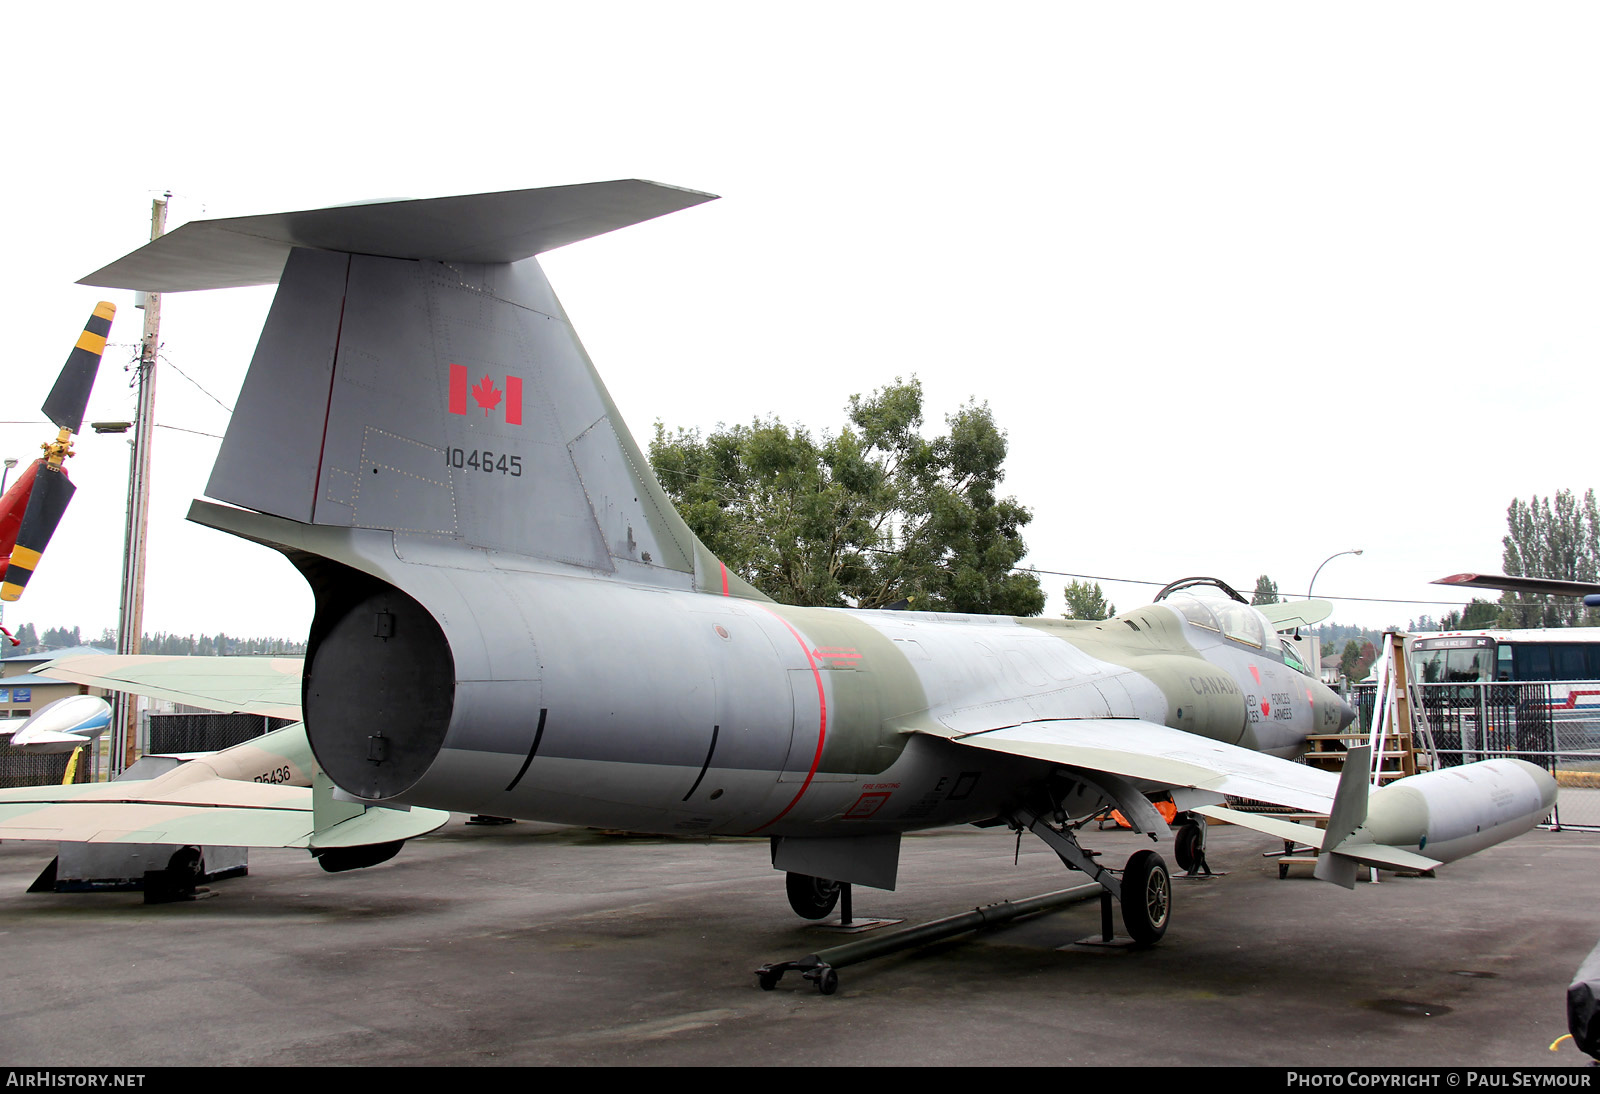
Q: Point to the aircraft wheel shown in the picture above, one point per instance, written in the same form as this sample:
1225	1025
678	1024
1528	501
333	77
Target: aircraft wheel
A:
811	897
768	979
1190	845
186	867
828	982
1146	898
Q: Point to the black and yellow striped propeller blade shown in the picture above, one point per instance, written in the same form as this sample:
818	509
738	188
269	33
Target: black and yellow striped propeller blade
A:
52	490
69	399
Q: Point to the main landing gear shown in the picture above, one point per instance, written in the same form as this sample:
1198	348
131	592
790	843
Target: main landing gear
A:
1189	846
1144	890
811	897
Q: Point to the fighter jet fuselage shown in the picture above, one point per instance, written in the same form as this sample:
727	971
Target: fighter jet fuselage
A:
621	706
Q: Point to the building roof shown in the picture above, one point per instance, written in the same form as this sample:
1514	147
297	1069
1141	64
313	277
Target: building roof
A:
33	679
51	655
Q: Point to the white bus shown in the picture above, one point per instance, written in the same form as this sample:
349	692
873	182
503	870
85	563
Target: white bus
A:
1546	655
1565	659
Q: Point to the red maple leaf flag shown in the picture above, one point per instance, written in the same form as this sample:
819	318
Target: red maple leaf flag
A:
487	395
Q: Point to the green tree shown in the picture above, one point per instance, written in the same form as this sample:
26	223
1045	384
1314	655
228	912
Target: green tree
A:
1086	601
1349	660
1364	660
1479	615
1555	537
868	516
1266	591
59	638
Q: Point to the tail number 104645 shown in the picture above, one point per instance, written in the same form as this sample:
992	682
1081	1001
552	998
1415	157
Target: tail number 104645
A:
483	460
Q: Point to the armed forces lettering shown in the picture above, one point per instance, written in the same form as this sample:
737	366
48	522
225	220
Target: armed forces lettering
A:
486	395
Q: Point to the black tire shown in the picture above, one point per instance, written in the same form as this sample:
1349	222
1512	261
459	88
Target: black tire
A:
1146	898
186	867
811	897
1189	847
828	982
768	979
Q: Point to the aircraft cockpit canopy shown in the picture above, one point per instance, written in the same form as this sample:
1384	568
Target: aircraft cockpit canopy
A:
1240	622
1292	658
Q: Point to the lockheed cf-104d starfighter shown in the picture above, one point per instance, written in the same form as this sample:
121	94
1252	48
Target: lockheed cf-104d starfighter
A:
512	619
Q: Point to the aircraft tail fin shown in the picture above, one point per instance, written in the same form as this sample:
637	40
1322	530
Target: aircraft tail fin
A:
417	375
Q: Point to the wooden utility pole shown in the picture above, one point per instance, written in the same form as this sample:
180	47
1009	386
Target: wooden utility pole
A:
131	620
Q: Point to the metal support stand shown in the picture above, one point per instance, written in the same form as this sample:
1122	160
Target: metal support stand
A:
821	967
848	923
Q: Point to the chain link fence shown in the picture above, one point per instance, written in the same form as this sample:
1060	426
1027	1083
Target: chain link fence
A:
18	768
206	732
1553	724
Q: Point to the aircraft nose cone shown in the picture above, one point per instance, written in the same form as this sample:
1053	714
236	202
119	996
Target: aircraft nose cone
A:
1347	714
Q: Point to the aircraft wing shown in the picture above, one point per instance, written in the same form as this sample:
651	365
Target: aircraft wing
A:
200	811
248	685
1508	583
1151	753
1373	854
1289	614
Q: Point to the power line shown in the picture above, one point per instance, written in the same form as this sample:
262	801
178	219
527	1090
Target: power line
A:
196	432
1139	581
196	383
1091	577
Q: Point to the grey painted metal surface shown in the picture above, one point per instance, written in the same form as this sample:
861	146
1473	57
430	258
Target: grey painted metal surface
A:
511	618
494	228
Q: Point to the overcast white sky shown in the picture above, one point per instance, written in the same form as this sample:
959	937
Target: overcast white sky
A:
1246	284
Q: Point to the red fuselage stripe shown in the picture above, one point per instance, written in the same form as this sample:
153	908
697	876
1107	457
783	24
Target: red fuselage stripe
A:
822	725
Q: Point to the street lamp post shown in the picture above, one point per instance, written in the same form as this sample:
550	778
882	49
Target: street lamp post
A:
1330	558
1316	638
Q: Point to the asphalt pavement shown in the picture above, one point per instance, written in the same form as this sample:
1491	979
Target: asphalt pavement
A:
532	944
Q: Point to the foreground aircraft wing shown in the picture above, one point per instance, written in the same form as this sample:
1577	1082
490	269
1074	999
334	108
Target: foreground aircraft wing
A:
1147	752
1373	854
198	809
248	685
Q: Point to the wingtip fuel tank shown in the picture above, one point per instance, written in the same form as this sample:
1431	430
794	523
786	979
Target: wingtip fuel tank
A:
1455	811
